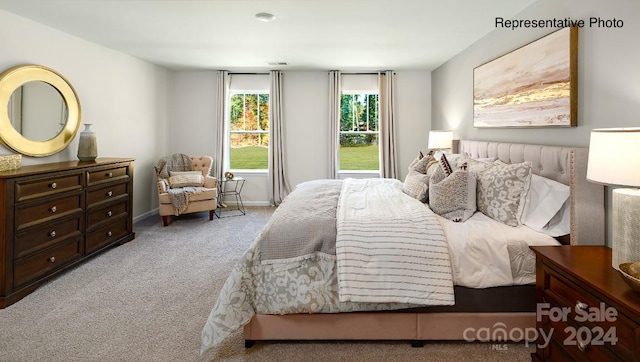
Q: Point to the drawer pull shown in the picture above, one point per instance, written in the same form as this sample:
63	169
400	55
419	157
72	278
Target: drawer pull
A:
109	174
109	233
109	213
110	193
52	259
582	347
581	306
53	209
54	185
52	234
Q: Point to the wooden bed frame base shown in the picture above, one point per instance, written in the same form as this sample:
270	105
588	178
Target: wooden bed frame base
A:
414	327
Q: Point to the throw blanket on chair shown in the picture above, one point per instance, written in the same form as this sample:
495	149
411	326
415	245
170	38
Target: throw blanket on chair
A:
390	247
176	162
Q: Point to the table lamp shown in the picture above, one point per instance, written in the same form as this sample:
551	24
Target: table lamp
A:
613	160
439	140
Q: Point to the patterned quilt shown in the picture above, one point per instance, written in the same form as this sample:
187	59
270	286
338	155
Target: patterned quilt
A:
303	282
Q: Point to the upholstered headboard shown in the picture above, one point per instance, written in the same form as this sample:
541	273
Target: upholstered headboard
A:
567	165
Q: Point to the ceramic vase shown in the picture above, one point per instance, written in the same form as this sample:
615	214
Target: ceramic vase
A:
87	146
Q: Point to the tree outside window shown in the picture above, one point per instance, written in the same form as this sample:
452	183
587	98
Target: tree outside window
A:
249	131
359	132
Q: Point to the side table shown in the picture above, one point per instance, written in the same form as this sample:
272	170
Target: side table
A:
230	187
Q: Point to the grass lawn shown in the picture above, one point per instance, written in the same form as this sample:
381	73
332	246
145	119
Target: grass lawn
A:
351	158
359	158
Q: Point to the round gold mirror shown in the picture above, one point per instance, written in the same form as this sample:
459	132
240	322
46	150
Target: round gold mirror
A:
39	110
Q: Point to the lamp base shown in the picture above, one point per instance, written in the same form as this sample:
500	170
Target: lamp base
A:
625	243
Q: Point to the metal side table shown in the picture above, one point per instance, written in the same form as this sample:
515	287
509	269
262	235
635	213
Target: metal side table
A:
230	188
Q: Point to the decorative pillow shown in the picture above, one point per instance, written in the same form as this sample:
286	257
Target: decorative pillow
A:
546	198
416	185
453	197
446	167
415	160
186	179
503	192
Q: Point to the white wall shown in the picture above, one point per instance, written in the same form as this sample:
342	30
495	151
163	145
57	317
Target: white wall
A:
306	129
608	73
125	98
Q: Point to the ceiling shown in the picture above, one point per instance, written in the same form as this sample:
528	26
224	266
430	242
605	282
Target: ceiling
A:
307	34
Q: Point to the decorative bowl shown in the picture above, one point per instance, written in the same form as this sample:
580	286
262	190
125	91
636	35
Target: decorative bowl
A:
630	276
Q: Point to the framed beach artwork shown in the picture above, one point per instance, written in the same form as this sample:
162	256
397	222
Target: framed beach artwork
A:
532	86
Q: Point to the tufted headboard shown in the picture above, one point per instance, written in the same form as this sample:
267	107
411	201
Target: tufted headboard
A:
567	165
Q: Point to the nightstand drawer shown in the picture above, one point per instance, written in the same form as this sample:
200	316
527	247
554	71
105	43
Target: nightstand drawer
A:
106	193
584	343
45	236
47	210
40	264
112	174
26	190
106	235
591	314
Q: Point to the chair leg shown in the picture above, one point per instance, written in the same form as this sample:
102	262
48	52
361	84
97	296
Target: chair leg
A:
211	213
165	220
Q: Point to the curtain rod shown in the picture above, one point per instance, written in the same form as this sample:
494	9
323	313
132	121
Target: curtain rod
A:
234	73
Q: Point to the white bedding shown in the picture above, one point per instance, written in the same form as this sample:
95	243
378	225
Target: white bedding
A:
390	247
479	250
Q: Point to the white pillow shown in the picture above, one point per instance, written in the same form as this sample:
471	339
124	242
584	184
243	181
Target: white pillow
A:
560	223
546	198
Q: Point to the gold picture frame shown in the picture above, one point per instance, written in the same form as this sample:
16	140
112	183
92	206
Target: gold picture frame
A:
533	86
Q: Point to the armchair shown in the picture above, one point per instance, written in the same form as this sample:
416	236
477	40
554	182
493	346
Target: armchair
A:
182	192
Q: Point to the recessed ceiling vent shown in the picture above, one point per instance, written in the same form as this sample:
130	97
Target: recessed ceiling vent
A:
278	63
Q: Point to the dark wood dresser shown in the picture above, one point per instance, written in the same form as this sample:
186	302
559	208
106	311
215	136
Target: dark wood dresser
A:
586	307
58	214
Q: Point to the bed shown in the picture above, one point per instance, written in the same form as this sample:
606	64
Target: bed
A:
283	308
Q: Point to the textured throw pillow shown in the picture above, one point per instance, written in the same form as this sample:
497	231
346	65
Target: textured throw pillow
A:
453	197
186	179
446	167
415	160
503	192
416	184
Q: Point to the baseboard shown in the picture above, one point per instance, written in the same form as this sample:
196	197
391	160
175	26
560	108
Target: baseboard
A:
146	215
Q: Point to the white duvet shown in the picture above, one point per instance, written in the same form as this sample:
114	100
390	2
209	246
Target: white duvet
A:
478	249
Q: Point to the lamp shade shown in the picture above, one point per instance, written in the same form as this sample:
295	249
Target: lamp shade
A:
440	139
613	156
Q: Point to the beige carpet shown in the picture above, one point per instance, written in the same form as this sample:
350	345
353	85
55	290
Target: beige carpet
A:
147	300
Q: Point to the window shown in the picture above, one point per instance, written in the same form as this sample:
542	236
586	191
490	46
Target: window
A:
359	133
249	131
247	145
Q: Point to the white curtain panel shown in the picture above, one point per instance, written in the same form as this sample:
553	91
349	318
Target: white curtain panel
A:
278	186
388	168
335	89
224	81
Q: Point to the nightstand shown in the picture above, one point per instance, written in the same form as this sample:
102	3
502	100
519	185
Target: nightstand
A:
584	306
230	187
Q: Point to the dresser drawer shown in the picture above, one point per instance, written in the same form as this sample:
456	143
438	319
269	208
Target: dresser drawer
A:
106	193
47	210
44	262
570	335
105	235
107	175
106	214
46	235
26	190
